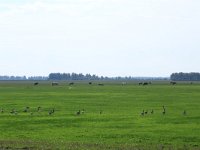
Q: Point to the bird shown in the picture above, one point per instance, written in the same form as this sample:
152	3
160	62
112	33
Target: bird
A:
164	112
152	111
78	112
142	113
38	109
12	111
184	112
83	111
146	112
101	112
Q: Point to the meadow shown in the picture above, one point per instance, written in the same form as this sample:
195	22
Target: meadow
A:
110	115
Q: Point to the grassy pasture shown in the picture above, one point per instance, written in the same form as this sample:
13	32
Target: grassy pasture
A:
120	126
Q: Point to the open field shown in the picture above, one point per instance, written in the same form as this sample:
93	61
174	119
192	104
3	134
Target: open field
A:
111	118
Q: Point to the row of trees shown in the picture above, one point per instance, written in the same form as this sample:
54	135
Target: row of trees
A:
77	76
193	76
23	78
80	76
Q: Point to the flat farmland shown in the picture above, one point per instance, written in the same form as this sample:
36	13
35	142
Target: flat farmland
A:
110	116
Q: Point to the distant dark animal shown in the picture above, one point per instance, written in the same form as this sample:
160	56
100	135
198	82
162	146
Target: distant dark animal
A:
2	111
39	108
90	83
164	112
36	83
191	82
152	111
173	83
145	83
184	112
142	113
83	111
51	111
12	111
54	83
140	83
78	112
26	109
146	112
71	83
100	112
100	84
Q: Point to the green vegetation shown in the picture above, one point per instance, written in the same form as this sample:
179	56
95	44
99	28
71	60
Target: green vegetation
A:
111	120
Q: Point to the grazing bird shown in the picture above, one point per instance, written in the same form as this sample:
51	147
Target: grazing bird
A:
146	112
142	113
152	111
2	111
51	111
164	112
78	112
184	112
83	111
26	109
101	112
39	108
15	113
12	111
90	83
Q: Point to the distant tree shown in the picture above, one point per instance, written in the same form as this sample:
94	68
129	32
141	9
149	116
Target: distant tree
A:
193	76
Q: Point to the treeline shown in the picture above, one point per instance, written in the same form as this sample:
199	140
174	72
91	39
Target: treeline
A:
193	76
80	76
23	78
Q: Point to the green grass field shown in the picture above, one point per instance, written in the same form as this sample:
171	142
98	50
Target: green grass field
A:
119	126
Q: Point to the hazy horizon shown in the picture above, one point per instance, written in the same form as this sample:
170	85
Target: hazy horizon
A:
147	38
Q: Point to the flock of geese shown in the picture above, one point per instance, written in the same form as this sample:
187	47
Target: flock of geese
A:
163	112
79	112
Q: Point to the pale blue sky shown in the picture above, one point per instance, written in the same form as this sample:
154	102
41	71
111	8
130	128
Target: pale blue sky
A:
103	37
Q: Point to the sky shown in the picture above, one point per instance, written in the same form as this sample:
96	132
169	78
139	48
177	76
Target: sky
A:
103	37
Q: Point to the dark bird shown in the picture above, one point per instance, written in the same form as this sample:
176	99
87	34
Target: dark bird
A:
146	112
184	112
83	111
38	109
142	113
152	111
78	112
164	112
101	112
